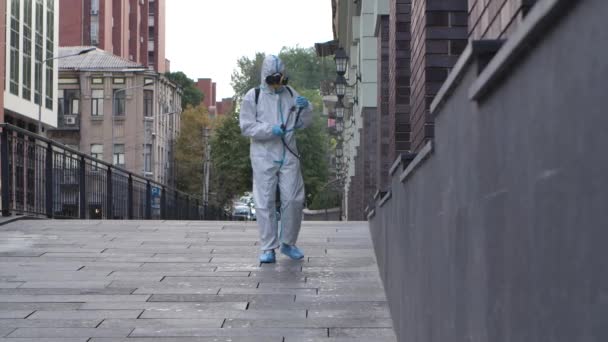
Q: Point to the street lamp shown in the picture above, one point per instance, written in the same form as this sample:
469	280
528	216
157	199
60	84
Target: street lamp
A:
340	110
340	86
339	126
82	52
339	151
341	59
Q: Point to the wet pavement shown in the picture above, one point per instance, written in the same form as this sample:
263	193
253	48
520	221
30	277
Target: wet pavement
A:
76	281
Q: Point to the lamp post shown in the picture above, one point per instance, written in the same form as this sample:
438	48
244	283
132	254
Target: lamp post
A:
82	52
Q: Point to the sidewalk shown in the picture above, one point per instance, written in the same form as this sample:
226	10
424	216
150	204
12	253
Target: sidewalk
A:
186	281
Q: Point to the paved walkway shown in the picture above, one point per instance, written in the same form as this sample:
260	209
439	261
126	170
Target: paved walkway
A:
76	281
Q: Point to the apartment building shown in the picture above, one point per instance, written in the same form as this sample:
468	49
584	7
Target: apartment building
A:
119	111
28	44
215	108
131	29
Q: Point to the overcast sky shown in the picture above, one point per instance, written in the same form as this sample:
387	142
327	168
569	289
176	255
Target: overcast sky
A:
206	37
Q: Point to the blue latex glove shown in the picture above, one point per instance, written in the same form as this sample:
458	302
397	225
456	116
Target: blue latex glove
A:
301	102
278	131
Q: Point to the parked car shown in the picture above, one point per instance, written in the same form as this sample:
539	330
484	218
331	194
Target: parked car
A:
243	212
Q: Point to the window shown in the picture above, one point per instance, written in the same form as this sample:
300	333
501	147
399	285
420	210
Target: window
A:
119	102
151	59
97	80
69	102
151	7
97	153
119	155
148	158
27	50
118	80
94	31
50	44
15	25
97	102
38	53
148	103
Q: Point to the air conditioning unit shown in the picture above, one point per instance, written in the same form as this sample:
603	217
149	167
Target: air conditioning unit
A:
94	12
69	120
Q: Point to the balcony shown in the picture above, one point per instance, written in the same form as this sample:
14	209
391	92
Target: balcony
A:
69	122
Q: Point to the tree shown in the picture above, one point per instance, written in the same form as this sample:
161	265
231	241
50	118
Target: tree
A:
304	68
190	150
247	75
230	159
192	95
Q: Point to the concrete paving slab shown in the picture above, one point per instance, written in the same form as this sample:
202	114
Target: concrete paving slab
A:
40	339
186	281
69	332
15	313
260	333
49	323
188	339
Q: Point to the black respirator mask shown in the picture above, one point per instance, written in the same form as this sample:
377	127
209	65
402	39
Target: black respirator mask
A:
277	79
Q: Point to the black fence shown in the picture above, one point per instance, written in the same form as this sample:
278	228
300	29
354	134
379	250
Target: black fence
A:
44	178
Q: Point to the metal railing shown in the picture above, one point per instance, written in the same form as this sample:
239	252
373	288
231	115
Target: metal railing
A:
42	177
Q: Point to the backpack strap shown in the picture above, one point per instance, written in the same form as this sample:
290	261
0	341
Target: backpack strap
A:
257	98
289	90
257	93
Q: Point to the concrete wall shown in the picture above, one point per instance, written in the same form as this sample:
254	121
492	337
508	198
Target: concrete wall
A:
500	233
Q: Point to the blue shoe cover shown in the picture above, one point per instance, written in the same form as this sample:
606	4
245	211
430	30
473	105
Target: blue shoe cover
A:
292	251
268	257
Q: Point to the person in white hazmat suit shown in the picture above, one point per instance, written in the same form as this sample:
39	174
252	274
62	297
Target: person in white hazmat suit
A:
269	116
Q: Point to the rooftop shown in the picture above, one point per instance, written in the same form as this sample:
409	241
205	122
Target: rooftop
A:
94	60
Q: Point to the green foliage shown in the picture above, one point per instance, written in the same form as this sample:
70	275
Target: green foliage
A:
325	199
230	159
247	74
190	150
312	143
304	68
192	95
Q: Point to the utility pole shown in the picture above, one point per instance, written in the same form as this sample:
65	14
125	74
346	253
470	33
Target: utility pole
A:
206	167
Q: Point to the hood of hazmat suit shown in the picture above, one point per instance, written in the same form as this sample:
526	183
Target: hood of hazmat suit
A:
271	161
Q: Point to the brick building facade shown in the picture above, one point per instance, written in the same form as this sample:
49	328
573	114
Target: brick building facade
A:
496	19
417	43
399	78
113	25
383	143
439	34
209	90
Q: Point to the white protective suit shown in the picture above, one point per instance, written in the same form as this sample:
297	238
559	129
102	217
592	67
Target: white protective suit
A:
272	163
